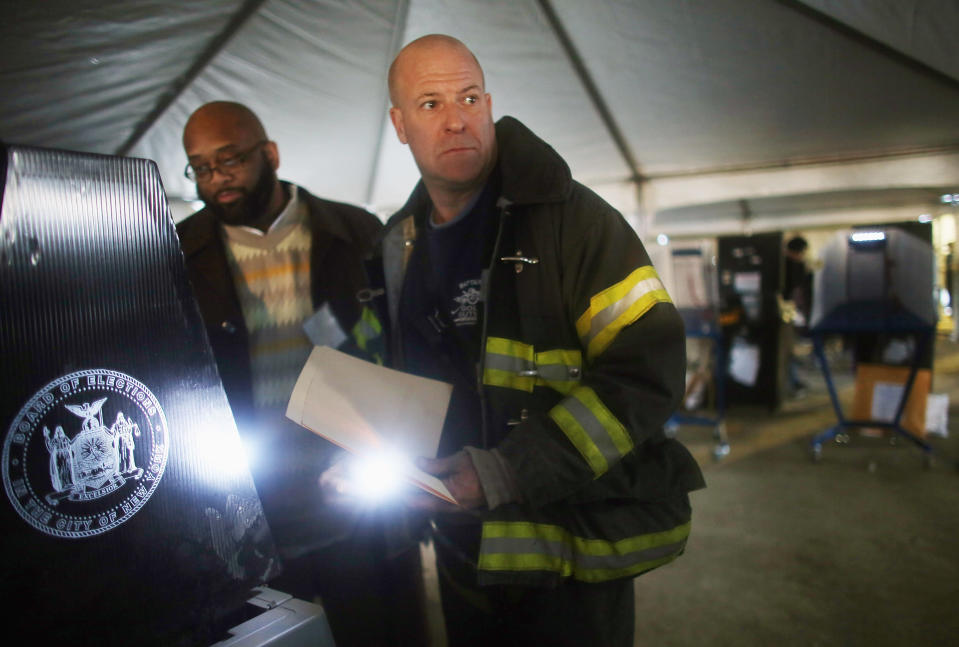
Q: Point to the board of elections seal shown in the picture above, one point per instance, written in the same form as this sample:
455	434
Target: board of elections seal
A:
85	453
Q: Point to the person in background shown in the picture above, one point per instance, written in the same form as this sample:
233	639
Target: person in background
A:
537	301
797	291
951	286
275	270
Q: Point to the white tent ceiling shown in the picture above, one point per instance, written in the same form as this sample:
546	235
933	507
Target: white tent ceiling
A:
689	115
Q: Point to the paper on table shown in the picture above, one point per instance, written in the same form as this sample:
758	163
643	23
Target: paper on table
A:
886	397
744	362
363	407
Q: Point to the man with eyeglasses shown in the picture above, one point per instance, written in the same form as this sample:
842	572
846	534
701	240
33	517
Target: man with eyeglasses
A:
275	271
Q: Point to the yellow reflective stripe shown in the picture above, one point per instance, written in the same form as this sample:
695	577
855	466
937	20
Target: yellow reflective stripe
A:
551	548
525	562
617	432
504	359
563	356
580	439
632	544
641	306
370	317
604	574
368	327
508	379
612	295
618	306
524	530
566	568
509	347
595	432
552	532
559	369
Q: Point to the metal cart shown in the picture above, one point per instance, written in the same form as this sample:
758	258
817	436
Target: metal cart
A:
704	324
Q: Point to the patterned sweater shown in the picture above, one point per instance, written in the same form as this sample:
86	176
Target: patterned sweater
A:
272	275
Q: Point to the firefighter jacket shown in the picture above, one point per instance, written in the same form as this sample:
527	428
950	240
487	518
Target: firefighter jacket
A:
583	361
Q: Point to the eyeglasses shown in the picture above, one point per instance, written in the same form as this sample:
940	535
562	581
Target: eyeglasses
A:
228	165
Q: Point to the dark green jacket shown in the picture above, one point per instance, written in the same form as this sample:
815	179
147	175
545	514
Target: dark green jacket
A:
584	361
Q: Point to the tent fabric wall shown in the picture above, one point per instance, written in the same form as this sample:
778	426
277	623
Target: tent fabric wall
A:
924	30
707	102
79	75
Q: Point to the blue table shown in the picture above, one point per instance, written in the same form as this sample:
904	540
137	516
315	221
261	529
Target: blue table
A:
870	317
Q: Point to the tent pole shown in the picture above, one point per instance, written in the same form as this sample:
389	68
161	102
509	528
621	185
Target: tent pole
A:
876	45
240	18
396	42
647	209
747	218
593	92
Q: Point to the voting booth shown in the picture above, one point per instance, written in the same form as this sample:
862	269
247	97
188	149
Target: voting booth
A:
750	271
874	280
129	516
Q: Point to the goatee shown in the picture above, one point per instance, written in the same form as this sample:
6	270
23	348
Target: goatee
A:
252	206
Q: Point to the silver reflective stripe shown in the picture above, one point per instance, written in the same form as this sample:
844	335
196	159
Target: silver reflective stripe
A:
499	362
609	314
513	364
555	372
593	428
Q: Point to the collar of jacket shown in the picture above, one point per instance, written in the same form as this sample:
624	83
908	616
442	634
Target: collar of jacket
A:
204	229
532	172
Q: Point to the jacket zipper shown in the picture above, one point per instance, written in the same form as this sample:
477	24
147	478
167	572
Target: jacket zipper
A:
503	205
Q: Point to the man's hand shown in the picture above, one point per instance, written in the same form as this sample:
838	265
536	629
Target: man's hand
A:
336	485
339	484
459	476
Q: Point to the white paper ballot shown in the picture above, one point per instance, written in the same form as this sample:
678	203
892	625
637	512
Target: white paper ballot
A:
365	408
886	397
744	362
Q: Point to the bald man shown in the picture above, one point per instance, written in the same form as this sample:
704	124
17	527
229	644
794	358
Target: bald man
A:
537	301
275	271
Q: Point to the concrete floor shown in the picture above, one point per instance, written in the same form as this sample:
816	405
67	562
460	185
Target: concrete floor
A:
861	548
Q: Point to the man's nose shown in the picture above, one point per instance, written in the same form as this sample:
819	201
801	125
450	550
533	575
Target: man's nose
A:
454	119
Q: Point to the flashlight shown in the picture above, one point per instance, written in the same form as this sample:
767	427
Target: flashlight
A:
378	476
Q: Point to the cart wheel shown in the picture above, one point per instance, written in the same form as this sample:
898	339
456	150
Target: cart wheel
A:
720	451
815	453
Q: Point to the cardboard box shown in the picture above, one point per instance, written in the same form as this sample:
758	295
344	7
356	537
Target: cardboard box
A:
879	389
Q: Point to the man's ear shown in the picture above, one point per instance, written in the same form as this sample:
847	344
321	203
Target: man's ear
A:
272	154
397	118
